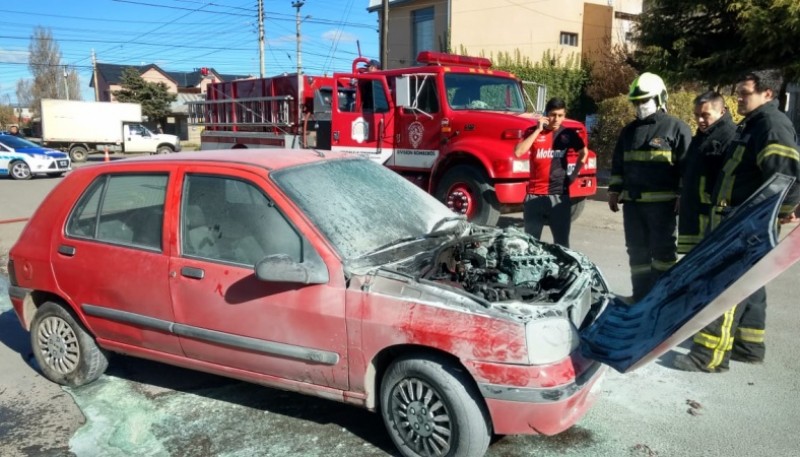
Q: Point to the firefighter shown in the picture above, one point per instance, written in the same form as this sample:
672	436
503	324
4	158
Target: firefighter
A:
765	143
702	164
645	178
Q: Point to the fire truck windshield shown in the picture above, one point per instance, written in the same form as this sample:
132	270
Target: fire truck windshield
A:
469	91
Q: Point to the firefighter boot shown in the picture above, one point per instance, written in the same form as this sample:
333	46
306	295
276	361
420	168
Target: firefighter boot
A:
685	362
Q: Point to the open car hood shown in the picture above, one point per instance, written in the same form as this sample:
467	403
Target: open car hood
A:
741	255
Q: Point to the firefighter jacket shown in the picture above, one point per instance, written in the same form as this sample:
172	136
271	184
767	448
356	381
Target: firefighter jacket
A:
700	168
645	164
765	143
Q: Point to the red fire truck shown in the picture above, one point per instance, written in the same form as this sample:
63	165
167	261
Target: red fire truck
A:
449	126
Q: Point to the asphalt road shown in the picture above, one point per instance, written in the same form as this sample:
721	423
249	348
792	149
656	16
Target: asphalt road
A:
150	409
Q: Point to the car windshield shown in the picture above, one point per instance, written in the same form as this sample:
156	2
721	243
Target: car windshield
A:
361	206
483	92
15	142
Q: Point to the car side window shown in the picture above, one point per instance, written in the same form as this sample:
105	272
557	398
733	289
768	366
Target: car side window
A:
231	220
122	209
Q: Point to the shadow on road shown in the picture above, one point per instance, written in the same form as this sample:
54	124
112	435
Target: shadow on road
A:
365	425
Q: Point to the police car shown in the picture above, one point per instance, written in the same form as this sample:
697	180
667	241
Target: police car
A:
21	159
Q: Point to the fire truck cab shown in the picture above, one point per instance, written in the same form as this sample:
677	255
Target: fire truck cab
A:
450	126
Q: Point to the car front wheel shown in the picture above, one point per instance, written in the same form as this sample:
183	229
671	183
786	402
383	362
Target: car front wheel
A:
20	170
431	408
64	350
164	150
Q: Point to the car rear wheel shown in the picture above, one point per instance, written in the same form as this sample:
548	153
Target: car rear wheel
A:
466	190
431	408
78	154
64	350
20	170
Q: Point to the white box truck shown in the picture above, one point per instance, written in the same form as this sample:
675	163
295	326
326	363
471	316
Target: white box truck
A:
81	128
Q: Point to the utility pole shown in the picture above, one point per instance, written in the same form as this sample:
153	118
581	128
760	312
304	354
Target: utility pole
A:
66	83
261	35
299	4
385	35
94	76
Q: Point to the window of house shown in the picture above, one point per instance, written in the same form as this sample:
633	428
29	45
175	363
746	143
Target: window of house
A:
233	221
569	39
423	31
122	209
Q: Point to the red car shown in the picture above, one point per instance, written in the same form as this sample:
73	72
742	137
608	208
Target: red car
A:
323	274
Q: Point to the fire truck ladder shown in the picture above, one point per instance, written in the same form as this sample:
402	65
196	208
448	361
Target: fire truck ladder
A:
272	112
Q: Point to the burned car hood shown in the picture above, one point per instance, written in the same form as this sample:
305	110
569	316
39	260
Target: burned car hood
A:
732	262
503	271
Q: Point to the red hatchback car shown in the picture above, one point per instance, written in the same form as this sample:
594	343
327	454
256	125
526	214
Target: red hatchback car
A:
328	275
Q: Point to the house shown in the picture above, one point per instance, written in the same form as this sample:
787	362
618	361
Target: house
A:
491	27
189	86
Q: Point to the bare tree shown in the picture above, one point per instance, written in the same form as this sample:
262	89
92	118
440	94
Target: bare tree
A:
24	93
51	79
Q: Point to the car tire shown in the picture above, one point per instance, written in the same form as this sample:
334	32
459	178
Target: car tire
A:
19	170
66	353
164	150
466	190
78	154
458	424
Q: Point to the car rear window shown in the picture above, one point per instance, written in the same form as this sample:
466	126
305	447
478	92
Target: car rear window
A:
121	209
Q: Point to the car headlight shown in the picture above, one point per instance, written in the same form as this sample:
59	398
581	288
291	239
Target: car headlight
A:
550	340
521	166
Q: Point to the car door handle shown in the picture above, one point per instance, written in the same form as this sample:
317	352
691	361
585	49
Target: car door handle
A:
191	272
68	251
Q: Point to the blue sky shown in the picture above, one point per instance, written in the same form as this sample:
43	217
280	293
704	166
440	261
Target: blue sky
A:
181	35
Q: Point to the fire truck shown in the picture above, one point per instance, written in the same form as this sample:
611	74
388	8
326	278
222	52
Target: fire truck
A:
449	125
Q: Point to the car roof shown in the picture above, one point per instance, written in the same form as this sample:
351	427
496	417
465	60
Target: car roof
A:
271	159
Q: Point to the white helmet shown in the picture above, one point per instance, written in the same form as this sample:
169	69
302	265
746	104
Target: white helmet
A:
648	85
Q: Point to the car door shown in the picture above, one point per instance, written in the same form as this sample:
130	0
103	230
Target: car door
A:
362	117
137	139
738	257
228	317
418	134
110	260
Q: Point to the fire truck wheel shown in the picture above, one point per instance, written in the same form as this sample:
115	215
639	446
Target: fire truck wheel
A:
577	207
466	190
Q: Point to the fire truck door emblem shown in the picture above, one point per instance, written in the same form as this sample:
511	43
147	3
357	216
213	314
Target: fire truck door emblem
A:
359	130
415	133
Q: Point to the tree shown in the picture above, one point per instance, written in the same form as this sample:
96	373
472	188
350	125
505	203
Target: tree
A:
714	41
51	79
610	72
154	97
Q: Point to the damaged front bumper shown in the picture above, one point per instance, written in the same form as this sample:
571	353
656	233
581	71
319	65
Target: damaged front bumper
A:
562	396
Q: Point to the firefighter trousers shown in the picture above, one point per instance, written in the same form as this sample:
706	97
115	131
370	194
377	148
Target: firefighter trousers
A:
740	330
650	240
554	210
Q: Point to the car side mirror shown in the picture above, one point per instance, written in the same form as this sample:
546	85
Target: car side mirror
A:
282	268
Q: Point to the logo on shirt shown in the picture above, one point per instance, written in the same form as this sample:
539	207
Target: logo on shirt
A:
550	153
